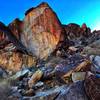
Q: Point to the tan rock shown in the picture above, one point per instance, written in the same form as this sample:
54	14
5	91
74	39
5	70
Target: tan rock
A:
66	68
78	76
41	30
14	61
35	77
79	67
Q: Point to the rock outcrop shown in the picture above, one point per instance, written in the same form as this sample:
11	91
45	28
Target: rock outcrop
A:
3	38
74	30
41	59
13	61
12	38
41	30
15	27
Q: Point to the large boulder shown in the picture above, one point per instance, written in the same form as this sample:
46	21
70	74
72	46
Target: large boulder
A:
41	30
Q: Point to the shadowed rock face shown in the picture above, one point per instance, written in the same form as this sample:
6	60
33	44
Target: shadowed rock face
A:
75	31
3	38
92	87
74	92
15	27
41	30
12	38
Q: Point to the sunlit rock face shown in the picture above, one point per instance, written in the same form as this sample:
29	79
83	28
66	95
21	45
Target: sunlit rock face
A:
14	61
41	30
15	27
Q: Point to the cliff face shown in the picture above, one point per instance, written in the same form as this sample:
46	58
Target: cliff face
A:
41	30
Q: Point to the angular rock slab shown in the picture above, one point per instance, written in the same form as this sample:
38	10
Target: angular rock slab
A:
41	30
78	76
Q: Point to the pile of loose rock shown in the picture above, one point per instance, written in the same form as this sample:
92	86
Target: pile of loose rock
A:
41	59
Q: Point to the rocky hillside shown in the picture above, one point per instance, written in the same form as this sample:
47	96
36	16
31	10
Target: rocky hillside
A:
42	59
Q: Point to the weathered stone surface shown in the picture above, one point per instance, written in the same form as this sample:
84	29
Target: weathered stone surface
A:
74	30
96	63
38	85
12	38
78	76
15	27
41	30
5	90
73	92
92	87
20	74
3	73
15	60
93	48
3	38
48	72
77	34
45	95
72	64
35	77
53	61
29	92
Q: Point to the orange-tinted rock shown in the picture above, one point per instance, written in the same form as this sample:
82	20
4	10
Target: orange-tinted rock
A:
15	27
41	30
14	61
12	38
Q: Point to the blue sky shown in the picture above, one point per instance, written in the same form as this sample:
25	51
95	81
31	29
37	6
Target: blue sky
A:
68	11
